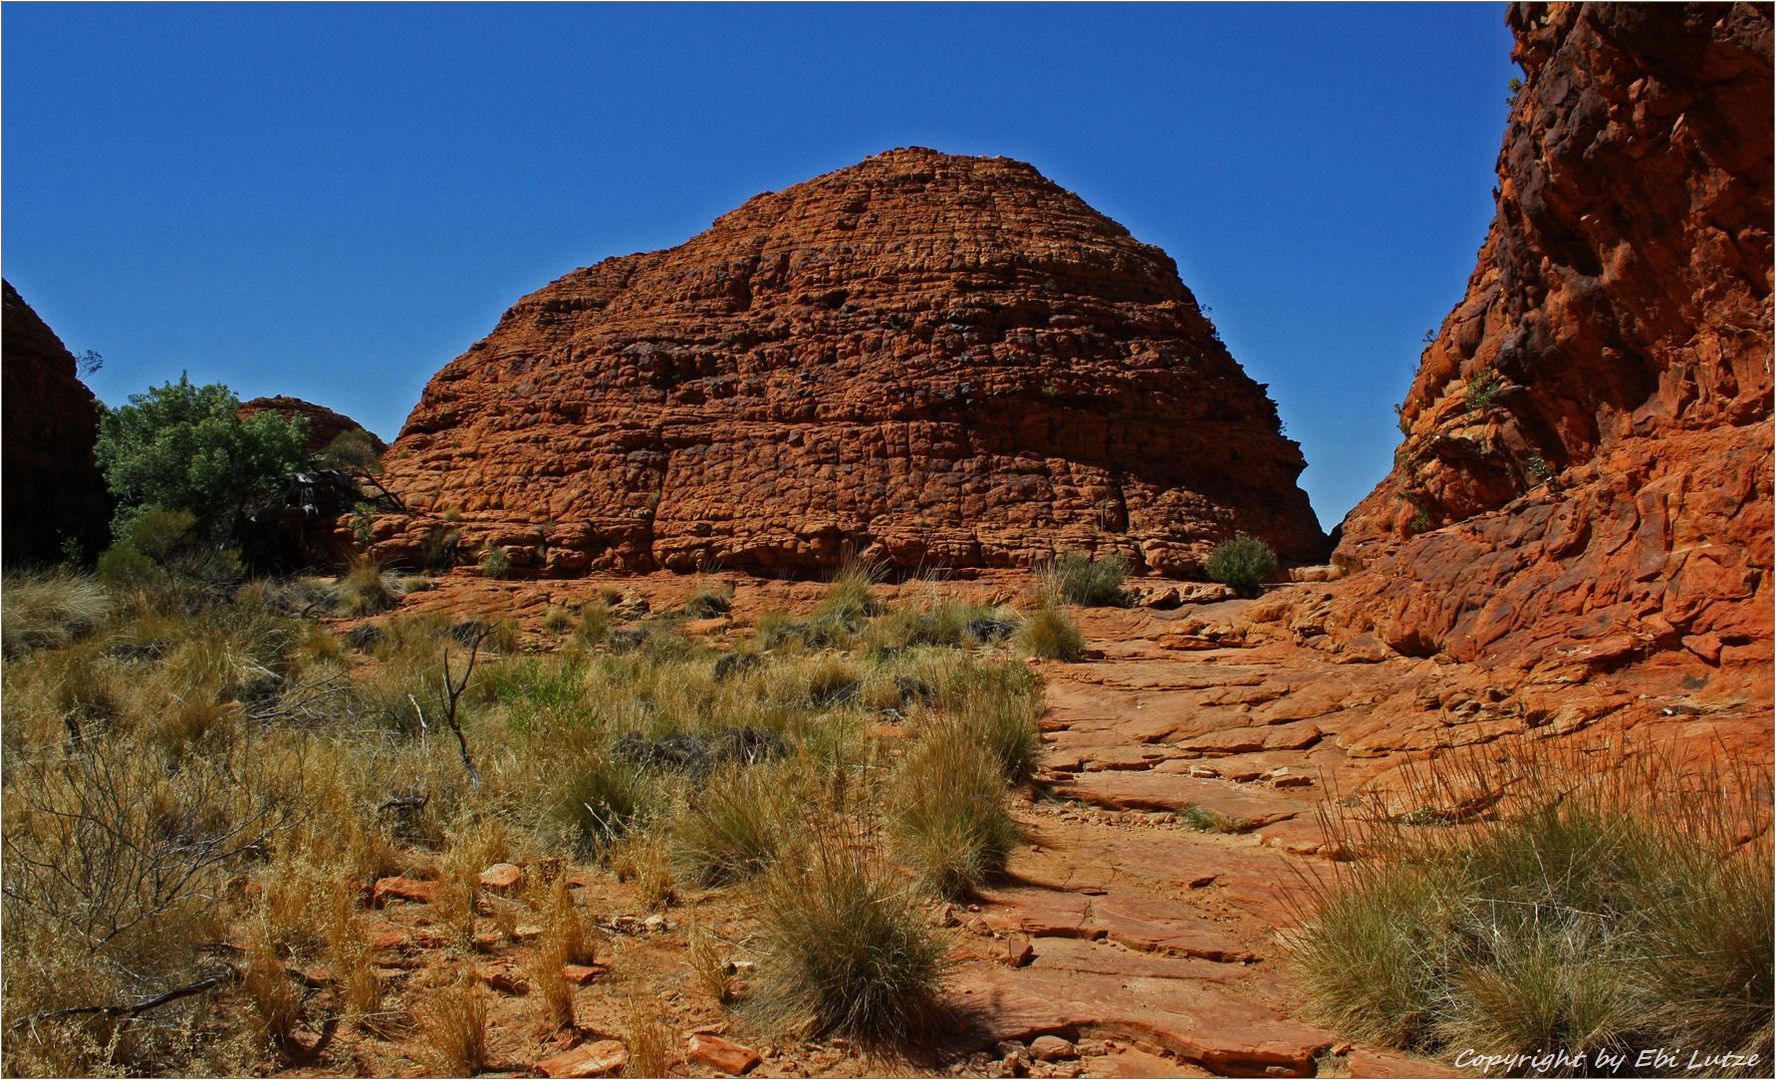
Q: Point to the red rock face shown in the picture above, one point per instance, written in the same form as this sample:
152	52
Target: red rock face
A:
51	486
1588	460
930	360
324	425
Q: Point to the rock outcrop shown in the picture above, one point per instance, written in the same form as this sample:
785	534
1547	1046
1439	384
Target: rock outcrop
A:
1587	471
324	424
51	489
930	360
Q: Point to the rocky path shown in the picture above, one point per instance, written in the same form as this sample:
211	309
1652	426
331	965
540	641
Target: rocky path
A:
1177	841
1186	767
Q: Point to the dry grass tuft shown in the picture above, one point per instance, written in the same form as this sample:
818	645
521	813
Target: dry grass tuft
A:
46	610
951	822
709	968
844	947
453	1023
1050	633
1546	899
646	1036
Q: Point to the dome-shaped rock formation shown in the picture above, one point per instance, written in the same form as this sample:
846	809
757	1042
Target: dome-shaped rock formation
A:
926	359
324	424
1587	470
52	490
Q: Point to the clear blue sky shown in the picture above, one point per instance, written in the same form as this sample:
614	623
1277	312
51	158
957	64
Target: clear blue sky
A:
332	201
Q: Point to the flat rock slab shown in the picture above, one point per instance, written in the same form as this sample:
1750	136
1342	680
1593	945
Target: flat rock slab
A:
1170	1009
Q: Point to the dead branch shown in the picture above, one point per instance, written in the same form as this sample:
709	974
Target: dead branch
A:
226	975
453	693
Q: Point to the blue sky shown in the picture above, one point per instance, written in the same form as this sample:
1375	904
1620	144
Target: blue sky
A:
332	201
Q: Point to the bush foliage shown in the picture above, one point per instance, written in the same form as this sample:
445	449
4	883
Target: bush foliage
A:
185	448
1244	562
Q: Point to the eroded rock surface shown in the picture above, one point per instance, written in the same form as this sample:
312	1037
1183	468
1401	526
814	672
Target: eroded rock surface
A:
932	360
53	489
1588	460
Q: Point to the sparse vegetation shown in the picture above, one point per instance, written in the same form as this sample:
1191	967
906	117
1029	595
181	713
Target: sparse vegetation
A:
1243	562
494	563
1203	819
1482	390
225	730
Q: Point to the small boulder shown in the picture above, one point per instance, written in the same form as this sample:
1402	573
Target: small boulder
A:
502	877
408	889
1052	1048
722	1054
604	1057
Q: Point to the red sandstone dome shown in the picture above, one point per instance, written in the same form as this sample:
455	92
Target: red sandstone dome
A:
929	360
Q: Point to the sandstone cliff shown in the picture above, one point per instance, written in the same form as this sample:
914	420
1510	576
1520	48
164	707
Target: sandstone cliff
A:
931	360
1587	470
51	489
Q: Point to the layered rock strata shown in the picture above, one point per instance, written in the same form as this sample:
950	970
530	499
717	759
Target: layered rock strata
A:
1587	469
931	361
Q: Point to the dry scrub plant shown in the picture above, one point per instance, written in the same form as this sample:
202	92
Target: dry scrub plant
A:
845	947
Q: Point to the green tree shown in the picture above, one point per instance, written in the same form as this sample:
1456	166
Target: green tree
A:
184	447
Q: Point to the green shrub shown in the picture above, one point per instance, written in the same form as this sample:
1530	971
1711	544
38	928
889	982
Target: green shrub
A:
184	448
1244	562
353	450
494	563
845	945
558	620
1481	391
1049	633
1080	579
121	565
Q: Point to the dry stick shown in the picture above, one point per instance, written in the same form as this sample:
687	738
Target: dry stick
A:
453	692
225	976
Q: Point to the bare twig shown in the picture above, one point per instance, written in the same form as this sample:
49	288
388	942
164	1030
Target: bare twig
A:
226	975
453	693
